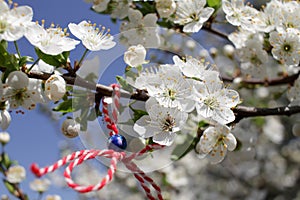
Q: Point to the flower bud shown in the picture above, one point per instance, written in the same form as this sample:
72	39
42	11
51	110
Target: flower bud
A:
55	87
228	50
213	52
4	138
17	80
135	56
70	128
4	197
16	174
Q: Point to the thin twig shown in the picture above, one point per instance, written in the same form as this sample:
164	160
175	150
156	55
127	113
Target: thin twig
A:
217	33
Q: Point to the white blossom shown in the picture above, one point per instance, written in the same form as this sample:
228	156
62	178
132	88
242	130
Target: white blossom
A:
193	68
4	137
239	14
192	14
140	30
16	174
135	56
240	37
144	77
214	143
162	123
100	5
41	66
286	14
286	46
92	37
120	8
165	8
39	185
253	58
55	87
171	89
13	21
70	128
51	41
214	102
20	90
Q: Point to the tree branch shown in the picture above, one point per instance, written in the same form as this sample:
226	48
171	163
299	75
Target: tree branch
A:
267	82
244	112
240	111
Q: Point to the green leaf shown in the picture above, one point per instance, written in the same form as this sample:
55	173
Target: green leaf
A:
8	61
4	44
216	4
5	161
26	197
65	107
123	83
25	59
137	114
10	187
181	150
57	60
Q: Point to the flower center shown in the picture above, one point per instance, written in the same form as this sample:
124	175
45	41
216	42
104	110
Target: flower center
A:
169	123
287	47
255	60
194	17
20	95
3	26
2	106
171	94
141	29
212	102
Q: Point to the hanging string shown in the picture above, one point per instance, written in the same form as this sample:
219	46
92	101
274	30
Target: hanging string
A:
115	156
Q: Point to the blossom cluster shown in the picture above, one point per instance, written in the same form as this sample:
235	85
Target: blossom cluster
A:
18	90
265	36
176	90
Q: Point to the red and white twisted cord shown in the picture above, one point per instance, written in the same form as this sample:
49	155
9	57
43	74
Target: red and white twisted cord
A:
42	171
79	157
115	156
111	124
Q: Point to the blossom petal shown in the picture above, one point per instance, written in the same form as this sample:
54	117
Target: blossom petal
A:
230	141
164	138
5	119
17	80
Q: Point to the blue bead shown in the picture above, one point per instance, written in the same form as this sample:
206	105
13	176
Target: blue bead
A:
117	142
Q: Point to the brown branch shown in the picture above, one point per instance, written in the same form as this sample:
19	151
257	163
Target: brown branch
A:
216	32
240	111
266	82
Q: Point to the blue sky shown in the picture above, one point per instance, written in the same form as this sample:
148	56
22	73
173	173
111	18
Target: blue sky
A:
34	137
